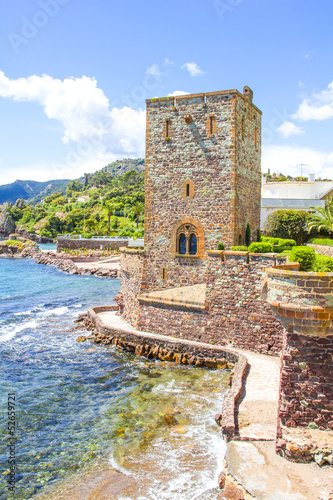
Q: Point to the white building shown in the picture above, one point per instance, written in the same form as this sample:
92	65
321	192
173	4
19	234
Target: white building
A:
293	195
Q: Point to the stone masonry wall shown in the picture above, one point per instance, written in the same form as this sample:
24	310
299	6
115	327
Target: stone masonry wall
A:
174	321
303	303
71	244
131	261
190	153
248	169
237	313
306	381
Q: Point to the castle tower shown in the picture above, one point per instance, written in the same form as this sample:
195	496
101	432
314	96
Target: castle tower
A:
203	180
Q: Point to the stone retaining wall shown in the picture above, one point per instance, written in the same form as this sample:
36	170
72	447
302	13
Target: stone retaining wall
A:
102	244
181	352
237	313
234	311
322	249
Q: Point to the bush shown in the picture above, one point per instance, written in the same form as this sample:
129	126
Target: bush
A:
279	249
305	256
239	248
322	241
287	224
269	239
261	247
323	264
247	234
220	246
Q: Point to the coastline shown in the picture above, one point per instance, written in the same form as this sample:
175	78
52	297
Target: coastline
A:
245	460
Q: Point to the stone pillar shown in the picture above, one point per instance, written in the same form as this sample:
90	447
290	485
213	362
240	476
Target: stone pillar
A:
303	303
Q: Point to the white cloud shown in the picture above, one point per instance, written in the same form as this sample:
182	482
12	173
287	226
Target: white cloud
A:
178	92
301	84
318	107
289	128
154	69
167	62
91	128
192	68
287	160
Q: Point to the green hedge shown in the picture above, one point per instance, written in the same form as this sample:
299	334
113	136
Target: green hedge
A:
305	256
220	246
239	248
261	247
323	264
281	242
322	241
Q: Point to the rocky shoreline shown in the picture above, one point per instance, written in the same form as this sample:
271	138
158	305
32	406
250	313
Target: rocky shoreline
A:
66	265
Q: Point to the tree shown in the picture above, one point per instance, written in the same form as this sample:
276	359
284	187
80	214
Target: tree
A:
109	207
248	235
323	218
136	211
288	224
74	185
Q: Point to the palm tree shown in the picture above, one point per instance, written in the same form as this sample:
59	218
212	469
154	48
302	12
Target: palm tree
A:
323	218
109	207
136	211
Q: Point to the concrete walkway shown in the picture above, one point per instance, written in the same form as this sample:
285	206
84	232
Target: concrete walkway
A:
252	460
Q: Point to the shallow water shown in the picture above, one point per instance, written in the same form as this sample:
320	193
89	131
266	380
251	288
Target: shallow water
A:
77	402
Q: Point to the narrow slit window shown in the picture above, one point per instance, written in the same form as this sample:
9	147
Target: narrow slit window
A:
187	190
167	128
243	128
211	125
256	137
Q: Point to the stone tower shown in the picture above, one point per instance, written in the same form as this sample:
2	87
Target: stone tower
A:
202	182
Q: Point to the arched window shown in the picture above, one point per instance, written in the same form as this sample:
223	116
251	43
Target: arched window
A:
182	243
240	239
193	244
187	239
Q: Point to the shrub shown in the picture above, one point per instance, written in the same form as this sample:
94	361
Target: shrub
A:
247	234
269	239
239	248
287	224
220	246
279	249
305	256
322	241
258	235
13	243
261	247
323	264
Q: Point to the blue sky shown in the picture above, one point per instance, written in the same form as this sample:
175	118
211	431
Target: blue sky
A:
74	76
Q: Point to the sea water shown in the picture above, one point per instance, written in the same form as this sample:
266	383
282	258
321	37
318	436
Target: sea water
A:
76	403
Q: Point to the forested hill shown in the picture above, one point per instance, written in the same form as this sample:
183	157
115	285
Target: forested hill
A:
31	189
34	191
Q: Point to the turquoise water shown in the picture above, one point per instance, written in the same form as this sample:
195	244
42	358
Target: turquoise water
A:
47	246
76	402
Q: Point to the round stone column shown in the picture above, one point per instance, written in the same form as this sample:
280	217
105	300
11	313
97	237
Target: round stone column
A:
303	302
